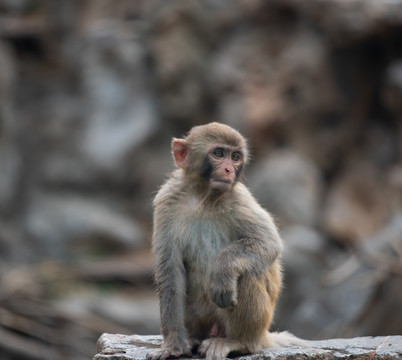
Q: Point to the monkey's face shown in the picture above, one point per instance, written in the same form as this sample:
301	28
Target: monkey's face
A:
222	167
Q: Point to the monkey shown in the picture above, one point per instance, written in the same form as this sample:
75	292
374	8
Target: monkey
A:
217	252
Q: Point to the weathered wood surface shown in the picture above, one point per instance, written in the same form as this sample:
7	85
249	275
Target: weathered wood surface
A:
135	347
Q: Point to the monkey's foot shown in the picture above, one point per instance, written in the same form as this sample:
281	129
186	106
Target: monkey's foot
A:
219	348
163	354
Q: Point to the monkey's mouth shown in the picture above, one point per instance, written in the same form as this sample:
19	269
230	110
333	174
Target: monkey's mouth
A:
221	184
224	181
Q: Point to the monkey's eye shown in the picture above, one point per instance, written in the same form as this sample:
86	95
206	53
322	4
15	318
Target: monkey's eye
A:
218	153
236	156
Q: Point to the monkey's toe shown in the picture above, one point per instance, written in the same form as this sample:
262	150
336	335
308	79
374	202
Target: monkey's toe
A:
215	348
158	355
167	354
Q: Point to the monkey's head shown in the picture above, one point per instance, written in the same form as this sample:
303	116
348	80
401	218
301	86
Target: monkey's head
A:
212	155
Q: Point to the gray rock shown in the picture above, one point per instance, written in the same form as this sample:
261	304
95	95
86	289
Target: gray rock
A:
139	312
135	347
179	49
333	293
10	153
60	222
354	208
288	185
121	110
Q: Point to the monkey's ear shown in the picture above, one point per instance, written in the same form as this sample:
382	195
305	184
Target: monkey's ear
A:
180	152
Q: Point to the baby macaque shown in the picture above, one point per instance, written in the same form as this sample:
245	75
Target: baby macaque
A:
217	252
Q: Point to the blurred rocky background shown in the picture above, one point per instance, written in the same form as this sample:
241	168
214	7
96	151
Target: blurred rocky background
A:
91	93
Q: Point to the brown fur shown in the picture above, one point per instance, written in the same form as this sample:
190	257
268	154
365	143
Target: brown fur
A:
217	256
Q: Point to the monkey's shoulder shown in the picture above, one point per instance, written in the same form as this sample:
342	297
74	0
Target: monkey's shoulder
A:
234	207
170	192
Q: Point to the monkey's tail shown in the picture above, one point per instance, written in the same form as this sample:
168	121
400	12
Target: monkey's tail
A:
284	338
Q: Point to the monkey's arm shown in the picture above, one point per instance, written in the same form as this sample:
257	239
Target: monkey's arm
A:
171	283
257	246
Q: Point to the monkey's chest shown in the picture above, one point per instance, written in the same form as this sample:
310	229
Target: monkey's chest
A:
202	241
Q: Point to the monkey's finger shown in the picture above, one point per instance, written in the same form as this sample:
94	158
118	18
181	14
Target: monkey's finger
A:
182	352
202	350
151	356
159	355
224	299
188	354
165	355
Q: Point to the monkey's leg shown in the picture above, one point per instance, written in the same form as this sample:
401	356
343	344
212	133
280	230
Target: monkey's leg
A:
201	320
247	323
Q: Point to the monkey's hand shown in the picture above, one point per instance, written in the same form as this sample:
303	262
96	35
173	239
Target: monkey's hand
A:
171	351
223	289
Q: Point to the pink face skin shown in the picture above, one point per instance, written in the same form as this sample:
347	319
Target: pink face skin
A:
221	167
226	163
